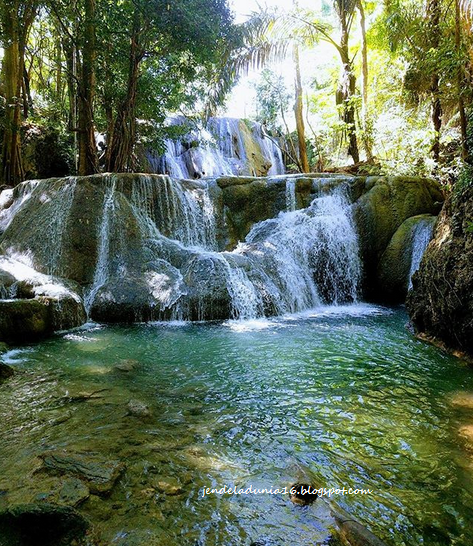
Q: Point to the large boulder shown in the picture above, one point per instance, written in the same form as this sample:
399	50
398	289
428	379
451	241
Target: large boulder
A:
37	304
440	303
32	319
380	211
398	261
247	201
42	525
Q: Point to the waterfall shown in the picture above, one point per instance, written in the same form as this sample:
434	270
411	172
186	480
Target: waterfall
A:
225	146
182	211
16	199
298	260
58	224
290	195
421	236
101	274
158	256
55	199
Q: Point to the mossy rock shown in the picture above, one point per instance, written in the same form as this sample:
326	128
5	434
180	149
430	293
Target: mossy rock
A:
440	303
387	203
5	372
395	264
26	320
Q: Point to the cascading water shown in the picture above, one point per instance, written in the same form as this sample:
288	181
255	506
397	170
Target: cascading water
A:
286	264
101	274
53	219
226	146
291	204
161	248
421	237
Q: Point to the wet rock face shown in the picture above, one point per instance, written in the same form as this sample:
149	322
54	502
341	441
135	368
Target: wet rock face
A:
131	247
386	203
42	525
399	260
247	201
440	303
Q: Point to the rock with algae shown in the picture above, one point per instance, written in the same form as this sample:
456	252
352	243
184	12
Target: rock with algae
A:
100	475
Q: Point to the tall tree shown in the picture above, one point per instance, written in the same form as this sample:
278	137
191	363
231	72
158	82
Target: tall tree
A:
461	81
299	112
345	10
16	20
364	82
175	38
88	161
434	15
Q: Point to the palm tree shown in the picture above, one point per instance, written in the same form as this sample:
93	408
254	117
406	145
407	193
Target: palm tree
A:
267	36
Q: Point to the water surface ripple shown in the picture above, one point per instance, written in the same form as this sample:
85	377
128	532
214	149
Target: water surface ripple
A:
338	396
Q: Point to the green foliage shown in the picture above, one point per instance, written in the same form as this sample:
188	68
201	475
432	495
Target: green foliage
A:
272	101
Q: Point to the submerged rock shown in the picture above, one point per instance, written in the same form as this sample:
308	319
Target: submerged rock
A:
169	486
303	493
351	533
440	303
127	365
136	408
42	525
5	372
99	475
73	492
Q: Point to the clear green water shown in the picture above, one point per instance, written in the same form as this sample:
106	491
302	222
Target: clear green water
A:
339	397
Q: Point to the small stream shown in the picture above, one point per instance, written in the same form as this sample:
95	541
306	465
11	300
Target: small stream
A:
336	396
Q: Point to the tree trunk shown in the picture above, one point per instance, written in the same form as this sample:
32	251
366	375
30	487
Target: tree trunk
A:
122	140
27	98
299	112
461	84
364	83
12	166
346	92
433	9
88	161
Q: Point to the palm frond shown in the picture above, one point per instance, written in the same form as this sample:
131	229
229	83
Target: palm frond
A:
260	40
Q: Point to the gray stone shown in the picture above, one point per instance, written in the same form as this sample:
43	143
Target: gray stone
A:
136	408
100	475
73	492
